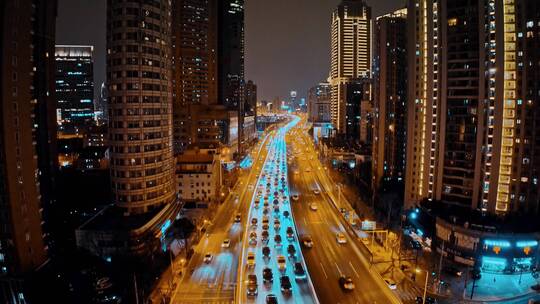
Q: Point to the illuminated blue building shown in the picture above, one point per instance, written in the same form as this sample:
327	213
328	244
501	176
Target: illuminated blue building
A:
74	87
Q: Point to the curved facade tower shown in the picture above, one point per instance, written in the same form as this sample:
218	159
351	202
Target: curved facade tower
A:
140	103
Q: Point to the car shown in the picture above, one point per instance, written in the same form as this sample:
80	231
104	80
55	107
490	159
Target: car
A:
391	284
254	221
290	233
265	227
316	192
253	235
282	262
238	218
291	250
277	224
429	300
266	251
268	276
277	241
251	259
265	235
286	214
285	283
313	207
295	197
346	283
452	271
307	241
341	238
271	299
299	271
252	285
253	242
265	220
415	244
226	243
208	258
265	204
276	209
276	201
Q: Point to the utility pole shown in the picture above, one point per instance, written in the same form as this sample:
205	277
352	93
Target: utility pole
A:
440	266
136	289
425	288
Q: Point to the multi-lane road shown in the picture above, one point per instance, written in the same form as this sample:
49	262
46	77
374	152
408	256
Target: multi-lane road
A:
275	177
268	213
317	216
215	281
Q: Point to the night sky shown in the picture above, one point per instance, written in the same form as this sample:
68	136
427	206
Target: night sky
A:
287	41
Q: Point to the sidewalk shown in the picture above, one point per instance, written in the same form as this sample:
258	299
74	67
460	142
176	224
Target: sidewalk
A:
490	288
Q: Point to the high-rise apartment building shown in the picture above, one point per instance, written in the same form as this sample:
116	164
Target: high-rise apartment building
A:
390	97
139	78
208	62
27	131
194	32
140	114
472	109
350	54
74	87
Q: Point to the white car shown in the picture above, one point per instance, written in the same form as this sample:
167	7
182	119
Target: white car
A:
391	284
226	243
208	258
341	238
282	262
313	207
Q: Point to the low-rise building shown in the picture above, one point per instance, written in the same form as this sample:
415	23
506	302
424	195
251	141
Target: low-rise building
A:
199	177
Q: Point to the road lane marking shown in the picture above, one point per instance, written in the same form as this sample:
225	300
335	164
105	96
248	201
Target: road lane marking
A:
339	270
350	263
322	267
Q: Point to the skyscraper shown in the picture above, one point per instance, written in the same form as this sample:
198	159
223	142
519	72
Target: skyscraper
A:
390	97
350	53
74	87
27	86
139	74
469	142
194	29
231	57
140	94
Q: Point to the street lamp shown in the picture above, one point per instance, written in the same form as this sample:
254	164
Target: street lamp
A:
425	285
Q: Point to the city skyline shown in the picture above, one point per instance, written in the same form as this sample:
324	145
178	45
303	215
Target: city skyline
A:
410	174
261	48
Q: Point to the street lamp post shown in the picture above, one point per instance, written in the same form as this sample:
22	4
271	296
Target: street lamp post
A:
425	285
